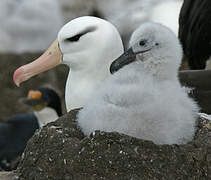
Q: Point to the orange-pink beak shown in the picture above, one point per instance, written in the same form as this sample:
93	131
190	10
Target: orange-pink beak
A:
50	58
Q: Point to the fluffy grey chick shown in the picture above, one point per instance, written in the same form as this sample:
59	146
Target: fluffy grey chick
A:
144	98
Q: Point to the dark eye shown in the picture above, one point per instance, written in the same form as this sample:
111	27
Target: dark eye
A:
156	44
142	42
74	38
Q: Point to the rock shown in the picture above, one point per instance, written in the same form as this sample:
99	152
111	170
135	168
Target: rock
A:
8	176
64	137
203	133
10	94
61	151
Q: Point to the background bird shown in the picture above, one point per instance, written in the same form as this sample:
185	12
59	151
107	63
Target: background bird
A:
194	32
19	128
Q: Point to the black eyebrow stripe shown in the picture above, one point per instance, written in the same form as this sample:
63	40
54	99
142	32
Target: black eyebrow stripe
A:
88	30
85	31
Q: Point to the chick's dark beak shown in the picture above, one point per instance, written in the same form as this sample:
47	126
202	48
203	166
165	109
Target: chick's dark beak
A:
126	58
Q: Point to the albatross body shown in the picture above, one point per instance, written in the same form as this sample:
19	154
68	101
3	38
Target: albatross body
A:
144	98
87	45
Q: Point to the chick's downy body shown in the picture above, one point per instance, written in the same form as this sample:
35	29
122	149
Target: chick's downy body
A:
144	99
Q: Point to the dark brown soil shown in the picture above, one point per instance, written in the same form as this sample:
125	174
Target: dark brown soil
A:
61	152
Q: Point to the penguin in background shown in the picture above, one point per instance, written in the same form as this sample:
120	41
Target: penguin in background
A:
15	133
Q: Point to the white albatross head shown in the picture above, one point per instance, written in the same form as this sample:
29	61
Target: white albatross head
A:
155	49
87	45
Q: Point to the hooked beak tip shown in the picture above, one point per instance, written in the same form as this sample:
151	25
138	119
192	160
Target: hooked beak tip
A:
112	68
49	59
126	58
17	76
17	84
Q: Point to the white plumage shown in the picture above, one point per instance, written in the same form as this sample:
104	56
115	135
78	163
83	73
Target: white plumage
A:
87	45
145	99
89	58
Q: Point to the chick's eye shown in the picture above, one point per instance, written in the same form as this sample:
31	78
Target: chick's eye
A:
142	42
74	38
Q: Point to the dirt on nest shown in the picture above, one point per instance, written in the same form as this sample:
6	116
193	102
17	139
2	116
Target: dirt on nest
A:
60	151
10	93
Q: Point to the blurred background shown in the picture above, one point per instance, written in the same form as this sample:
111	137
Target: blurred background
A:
28	27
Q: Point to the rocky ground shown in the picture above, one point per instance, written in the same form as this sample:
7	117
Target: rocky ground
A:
8	176
60	151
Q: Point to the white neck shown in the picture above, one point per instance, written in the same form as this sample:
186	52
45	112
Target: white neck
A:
160	68
46	116
81	86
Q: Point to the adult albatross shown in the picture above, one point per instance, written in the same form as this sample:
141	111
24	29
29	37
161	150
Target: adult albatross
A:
87	45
